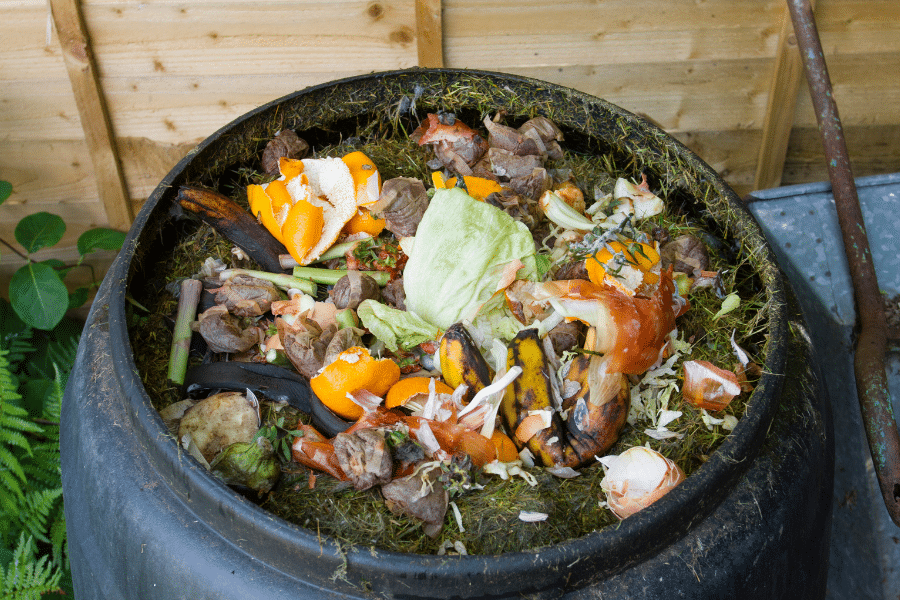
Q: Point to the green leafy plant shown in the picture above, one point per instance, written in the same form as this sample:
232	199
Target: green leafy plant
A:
37	350
34	368
37	290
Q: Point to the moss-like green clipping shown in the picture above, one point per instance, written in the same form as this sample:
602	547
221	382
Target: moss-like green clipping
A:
602	142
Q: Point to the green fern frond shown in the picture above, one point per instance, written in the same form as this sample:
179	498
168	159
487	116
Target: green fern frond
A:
28	577
39	504
53	402
58	538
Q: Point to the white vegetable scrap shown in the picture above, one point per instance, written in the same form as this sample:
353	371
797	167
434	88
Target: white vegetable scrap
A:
528	516
738	351
509	469
458	516
637	478
728	422
650	400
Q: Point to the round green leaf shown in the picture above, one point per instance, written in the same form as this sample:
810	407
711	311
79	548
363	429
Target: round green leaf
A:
78	297
5	190
40	230
100	238
38	295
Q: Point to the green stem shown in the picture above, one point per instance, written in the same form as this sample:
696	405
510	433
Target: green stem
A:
282	280
331	276
337	251
181	338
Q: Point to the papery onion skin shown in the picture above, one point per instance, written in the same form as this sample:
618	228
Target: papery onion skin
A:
707	386
631	330
628	489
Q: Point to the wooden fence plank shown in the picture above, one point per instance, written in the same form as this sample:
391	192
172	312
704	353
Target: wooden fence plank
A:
95	121
776	131
429	33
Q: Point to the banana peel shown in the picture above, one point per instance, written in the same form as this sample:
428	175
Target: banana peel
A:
235	224
462	362
590	427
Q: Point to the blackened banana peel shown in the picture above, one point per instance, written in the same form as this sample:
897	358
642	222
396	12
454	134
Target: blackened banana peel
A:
234	223
589	429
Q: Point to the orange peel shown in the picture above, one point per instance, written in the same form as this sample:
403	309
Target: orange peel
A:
406	389
364	222
640	261
354	369
477	187
366	179
308	207
327	184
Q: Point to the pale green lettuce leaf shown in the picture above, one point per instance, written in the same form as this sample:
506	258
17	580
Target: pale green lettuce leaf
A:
461	246
396	328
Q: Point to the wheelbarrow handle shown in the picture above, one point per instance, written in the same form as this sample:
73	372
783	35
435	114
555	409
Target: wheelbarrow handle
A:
869	362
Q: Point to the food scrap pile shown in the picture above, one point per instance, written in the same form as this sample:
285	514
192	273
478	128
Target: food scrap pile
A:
493	323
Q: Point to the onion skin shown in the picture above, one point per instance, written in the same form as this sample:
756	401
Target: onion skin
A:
637	478
631	330
707	386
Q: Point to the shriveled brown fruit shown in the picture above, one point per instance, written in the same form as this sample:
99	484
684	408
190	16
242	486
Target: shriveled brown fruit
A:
687	254
420	496
285	144
222	331
354	287
305	346
402	203
364	457
246	296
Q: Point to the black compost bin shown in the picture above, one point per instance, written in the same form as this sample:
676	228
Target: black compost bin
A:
146	521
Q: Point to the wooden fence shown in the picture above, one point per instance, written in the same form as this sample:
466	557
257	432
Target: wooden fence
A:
100	98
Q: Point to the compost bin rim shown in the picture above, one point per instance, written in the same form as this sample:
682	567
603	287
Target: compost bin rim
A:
191	480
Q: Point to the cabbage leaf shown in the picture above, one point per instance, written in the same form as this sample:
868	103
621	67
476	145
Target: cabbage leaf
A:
457	259
396	328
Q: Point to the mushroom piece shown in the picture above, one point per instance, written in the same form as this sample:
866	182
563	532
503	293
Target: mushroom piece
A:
246	296
223	332
354	287
420	496
364	457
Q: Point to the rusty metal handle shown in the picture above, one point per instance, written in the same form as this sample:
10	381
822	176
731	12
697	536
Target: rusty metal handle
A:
869	363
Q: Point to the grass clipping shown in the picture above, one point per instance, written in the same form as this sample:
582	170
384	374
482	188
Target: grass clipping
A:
486	520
